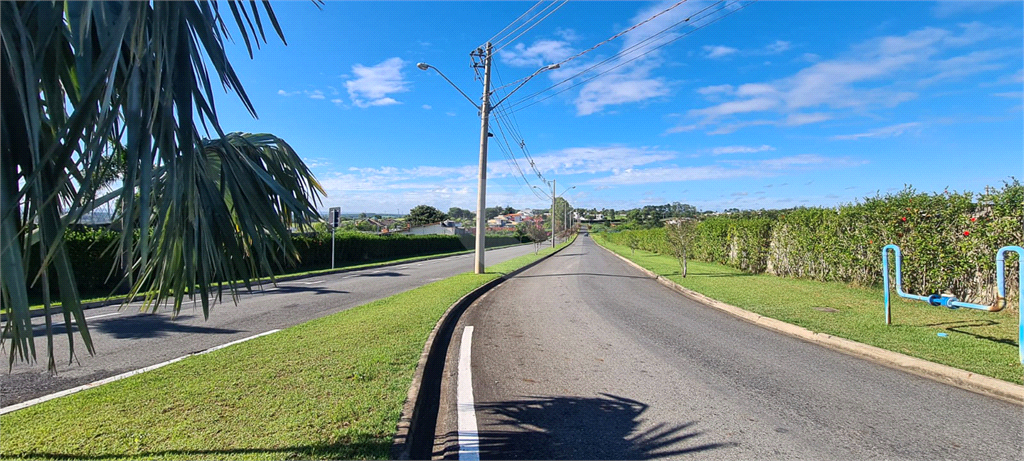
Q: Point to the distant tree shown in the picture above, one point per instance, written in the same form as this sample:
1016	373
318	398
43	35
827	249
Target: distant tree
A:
680	234
459	213
537	234
425	214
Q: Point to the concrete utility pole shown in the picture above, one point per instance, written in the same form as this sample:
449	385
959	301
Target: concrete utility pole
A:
553	213
481	201
485	111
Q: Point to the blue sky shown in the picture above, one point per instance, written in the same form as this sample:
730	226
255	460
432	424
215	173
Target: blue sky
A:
774	105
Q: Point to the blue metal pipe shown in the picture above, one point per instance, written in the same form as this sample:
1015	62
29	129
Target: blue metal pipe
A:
899	280
1000	266
953	303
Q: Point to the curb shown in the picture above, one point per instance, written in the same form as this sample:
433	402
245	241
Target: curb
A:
945	374
283	278
414	433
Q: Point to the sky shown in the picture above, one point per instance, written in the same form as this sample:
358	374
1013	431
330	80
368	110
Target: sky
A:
769	104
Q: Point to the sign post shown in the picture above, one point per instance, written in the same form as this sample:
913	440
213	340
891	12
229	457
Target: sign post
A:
334	216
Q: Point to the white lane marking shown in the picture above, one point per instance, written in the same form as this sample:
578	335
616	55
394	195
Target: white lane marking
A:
102	315
29	403
469	437
313	282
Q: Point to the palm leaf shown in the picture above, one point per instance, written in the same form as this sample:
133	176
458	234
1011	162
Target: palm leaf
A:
82	79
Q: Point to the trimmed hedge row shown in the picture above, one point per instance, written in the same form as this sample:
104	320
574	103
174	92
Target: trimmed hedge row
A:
94	252
948	240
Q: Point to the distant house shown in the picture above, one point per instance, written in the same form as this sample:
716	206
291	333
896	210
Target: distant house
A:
438	228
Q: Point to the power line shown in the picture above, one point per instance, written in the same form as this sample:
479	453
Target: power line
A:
626	51
531	27
634	26
516	20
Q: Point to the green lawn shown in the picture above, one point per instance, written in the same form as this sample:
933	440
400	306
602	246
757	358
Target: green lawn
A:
979	342
332	388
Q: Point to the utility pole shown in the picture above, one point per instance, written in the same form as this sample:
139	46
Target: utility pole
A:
485	111
553	213
481	202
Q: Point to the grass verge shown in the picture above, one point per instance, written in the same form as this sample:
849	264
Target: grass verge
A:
332	388
103	296
979	342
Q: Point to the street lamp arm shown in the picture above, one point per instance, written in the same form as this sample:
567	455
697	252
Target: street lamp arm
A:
542	69
425	66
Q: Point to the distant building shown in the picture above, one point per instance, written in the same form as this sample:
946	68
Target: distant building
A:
438	228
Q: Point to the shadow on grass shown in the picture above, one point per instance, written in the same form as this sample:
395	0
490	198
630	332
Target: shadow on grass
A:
709	274
369	449
960	327
605	427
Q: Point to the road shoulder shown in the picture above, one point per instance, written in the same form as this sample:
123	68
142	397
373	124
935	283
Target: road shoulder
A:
963	379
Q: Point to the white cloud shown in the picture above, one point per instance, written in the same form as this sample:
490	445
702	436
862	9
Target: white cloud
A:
613	89
725	170
741	149
718	51
315	94
426	107
884	132
882	72
578	160
287	93
373	84
540	53
778	47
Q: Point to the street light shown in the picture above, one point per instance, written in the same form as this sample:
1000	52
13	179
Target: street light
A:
553	197
485	111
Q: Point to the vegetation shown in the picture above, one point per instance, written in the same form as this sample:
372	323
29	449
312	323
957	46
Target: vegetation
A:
948	240
425	214
979	342
332	388
87	81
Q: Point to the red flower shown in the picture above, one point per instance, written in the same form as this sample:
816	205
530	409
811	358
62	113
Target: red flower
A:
903	218
974	219
871	241
966	233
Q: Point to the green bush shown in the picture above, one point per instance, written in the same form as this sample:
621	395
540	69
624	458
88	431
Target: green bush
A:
948	240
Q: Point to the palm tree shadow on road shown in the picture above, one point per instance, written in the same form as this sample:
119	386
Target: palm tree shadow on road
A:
606	427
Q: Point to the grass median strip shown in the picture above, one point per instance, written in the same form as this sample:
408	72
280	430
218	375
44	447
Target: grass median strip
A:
95	296
979	342
331	388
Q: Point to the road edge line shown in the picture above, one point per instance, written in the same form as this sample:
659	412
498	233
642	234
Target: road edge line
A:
414	433
469	435
73	390
963	379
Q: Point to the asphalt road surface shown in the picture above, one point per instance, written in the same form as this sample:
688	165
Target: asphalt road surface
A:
584	357
127	340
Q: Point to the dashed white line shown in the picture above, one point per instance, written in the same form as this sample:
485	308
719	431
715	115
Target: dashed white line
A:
469	436
29	403
102	315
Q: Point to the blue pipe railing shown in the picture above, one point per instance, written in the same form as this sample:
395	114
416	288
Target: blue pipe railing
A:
951	301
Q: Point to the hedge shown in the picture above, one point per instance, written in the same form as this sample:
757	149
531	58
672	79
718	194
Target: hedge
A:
948	240
93	253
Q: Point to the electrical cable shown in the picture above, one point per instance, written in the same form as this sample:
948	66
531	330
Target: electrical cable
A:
516	20
531	27
519	102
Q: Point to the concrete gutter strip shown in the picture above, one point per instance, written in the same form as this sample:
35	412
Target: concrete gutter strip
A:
414	434
963	379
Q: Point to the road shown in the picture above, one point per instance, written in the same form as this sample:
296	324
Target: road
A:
584	357
127	340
